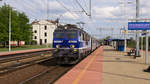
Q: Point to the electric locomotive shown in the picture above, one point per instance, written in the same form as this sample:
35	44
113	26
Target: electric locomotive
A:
71	44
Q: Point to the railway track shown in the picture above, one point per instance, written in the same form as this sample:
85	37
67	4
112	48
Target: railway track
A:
48	76
8	58
10	63
45	72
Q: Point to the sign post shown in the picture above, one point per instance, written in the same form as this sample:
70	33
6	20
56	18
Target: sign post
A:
146	54
141	26
138	25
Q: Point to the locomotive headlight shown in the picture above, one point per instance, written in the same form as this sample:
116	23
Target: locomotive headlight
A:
75	50
57	46
72	46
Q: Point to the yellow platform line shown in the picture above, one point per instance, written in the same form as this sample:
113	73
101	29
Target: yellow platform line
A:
83	71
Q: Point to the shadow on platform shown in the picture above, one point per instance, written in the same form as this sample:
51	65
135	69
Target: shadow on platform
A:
121	61
127	76
109	50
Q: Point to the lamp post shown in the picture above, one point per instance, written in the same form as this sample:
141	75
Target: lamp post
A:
10	30
137	34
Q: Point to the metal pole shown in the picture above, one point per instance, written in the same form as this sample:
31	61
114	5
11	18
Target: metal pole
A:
142	46
125	41
137	34
90	8
10	30
125	27
47	9
146	54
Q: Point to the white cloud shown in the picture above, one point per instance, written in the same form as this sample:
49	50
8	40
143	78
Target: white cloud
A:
101	10
105	12
69	15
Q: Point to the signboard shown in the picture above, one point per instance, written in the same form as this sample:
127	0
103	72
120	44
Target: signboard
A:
138	25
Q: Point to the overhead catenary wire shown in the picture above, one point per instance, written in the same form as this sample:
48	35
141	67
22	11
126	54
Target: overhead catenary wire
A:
81	7
75	6
66	8
32	15
85	4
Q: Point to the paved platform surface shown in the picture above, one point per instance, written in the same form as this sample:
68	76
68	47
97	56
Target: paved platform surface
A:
108	67
88	71
121	69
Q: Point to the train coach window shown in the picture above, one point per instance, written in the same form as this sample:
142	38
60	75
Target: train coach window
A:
80	34
88	38
84	37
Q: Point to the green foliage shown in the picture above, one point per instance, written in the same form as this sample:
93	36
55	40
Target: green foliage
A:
144	42
21	29
131	43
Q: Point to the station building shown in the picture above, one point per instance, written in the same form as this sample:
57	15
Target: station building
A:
43	31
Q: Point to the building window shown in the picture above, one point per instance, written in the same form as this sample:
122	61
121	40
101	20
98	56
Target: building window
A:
45	27
45	34
35	31
35	37
45	40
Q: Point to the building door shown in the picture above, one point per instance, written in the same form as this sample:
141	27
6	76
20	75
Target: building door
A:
40	41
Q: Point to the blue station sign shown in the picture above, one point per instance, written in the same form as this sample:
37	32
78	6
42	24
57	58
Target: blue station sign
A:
138	25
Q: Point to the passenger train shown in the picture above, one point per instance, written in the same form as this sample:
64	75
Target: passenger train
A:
71	44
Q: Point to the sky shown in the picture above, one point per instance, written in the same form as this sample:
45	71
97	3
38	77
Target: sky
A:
108	16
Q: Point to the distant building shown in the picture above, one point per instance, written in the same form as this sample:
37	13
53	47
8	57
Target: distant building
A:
43	31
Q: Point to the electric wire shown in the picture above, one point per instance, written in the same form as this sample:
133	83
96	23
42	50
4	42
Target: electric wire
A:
30	14
81	7
85	4
66	8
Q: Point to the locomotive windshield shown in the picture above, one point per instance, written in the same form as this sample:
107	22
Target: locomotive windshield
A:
69	34
59	35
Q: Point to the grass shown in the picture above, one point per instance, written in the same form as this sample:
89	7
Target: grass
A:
26	47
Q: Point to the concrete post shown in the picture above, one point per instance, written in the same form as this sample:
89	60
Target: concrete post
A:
146	54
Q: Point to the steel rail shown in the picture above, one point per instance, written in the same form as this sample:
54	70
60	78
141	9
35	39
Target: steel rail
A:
38	75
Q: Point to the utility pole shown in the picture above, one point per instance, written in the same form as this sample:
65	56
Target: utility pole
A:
47	9
90	8
137	34
125	26
142	46
9	29
47	18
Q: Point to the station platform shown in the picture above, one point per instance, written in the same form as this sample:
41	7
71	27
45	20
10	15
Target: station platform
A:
88	71
23	51
108	66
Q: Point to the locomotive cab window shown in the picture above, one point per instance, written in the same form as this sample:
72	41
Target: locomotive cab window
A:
59	35
65	34
71	34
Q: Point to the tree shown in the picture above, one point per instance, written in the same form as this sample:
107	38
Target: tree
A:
21	29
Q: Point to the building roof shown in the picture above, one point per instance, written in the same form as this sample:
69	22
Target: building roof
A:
49	21
117	39
35	21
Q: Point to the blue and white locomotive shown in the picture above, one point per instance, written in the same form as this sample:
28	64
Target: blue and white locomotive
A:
71	44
